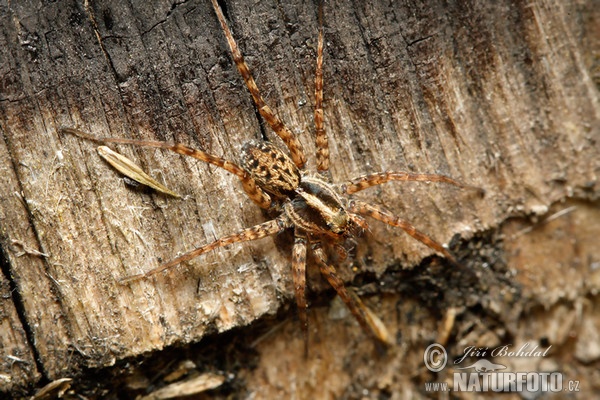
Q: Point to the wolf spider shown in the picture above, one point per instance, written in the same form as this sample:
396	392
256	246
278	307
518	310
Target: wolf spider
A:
320	212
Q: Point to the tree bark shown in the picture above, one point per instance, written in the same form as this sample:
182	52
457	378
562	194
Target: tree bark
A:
500	95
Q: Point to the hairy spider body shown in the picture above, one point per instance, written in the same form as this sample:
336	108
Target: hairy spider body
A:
321	213
271	168
309	203
318	209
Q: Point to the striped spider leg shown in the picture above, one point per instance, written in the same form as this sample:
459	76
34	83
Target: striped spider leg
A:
301	201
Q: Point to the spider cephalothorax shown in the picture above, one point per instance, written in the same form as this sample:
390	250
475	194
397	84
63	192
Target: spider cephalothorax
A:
317	208
320	213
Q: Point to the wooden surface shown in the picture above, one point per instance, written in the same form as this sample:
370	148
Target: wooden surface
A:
503	96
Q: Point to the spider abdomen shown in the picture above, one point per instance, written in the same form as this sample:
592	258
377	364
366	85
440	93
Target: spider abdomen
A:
270	167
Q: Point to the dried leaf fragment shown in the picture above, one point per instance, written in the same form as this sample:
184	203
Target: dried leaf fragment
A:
188	387
54	390
131	170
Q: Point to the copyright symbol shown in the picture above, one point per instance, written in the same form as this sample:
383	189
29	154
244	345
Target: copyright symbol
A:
435	357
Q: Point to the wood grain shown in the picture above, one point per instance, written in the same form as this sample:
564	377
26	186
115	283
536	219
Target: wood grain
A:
502	95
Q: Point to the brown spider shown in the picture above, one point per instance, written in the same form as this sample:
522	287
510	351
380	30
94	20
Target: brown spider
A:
319	212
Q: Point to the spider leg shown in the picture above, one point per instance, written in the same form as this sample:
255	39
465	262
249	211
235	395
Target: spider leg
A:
253	233
367	320
321	137
381	214
299	277
255	193
290	140
366	181
377	326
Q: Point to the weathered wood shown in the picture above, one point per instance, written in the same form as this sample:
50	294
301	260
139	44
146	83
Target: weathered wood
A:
500	95
18	368
549	308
